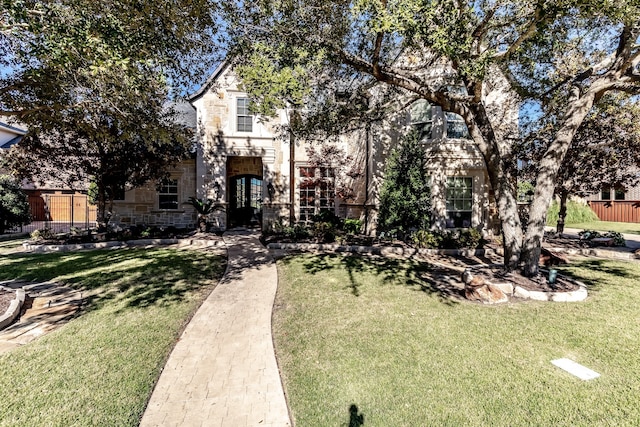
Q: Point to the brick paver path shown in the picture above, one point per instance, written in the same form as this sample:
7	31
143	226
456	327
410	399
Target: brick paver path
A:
223	371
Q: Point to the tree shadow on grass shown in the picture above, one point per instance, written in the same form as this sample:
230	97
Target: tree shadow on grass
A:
420	276
135	277
600	266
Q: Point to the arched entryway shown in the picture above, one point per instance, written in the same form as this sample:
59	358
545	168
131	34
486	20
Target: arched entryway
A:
244	185
245	204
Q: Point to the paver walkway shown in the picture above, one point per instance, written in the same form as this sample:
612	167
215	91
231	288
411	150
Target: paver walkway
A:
223	370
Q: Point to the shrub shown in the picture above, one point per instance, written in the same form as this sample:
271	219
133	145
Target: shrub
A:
458	239
324	232
576	213
352	226
618	240
405	197
14	204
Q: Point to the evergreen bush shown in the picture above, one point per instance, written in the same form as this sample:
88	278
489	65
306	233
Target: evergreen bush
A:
405	197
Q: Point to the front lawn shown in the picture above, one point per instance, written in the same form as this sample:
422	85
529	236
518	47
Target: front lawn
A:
366	341
99	369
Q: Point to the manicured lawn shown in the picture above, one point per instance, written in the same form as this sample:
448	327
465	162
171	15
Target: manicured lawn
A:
100	368
621	227
372	333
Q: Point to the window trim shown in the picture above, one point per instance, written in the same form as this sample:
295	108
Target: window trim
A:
244	113
164	191
451	202
418	124
317	190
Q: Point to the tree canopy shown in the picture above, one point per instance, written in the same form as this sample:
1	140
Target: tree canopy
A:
92	81
566	54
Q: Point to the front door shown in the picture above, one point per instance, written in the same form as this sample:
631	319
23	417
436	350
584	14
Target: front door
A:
245	201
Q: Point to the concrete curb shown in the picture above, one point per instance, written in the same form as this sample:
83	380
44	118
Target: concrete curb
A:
14	309
200	243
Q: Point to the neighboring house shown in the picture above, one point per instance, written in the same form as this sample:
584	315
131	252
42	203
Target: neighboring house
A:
617	204
10	135
53	202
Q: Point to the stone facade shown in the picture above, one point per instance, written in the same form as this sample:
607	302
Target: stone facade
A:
234	144
141	205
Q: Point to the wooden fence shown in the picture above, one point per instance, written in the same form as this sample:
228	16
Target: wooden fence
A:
617	210
60	212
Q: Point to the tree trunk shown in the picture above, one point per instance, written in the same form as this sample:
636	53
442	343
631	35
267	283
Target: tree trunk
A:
502	182
562	214
547	174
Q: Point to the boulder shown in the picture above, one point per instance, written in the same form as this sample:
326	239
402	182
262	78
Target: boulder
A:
478	289
549	258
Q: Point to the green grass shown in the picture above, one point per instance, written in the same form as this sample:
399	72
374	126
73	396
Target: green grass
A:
620	227
100	368
372	333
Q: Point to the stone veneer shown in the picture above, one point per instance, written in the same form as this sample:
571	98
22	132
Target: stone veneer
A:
140	205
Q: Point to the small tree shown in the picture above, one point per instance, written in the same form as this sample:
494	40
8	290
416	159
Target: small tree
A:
405	198
14	205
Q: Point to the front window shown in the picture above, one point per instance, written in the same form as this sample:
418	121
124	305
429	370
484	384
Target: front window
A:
456	127
459	201
618	194
605	194
422	119
244	116
168	194
317	191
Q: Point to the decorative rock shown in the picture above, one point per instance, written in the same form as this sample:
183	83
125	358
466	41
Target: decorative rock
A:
479	290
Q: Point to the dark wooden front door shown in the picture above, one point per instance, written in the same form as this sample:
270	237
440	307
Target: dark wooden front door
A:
245	201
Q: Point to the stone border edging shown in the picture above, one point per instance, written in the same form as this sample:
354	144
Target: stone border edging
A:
519	292
600	253
14	309
378	250
201	243
12	236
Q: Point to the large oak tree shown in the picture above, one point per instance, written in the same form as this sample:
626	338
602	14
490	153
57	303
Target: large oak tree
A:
567	53
92	80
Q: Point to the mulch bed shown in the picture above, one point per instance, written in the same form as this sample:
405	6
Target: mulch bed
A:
536	283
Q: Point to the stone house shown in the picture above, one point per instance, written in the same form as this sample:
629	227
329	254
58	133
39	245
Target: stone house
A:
262	178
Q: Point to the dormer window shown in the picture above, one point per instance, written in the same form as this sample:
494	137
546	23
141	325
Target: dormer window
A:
243	116
422	119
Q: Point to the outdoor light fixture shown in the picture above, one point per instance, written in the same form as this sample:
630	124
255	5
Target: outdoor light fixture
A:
271	190
217	189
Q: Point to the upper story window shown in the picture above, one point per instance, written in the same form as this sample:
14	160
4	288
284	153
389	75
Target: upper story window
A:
422	118
243	116
456	127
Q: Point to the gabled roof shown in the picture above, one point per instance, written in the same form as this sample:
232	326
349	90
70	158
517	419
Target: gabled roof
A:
11	142
218	71
12	129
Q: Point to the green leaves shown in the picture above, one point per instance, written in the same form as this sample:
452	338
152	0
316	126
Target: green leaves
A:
14	207
405	198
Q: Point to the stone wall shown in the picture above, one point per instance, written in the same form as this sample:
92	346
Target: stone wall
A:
140	205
